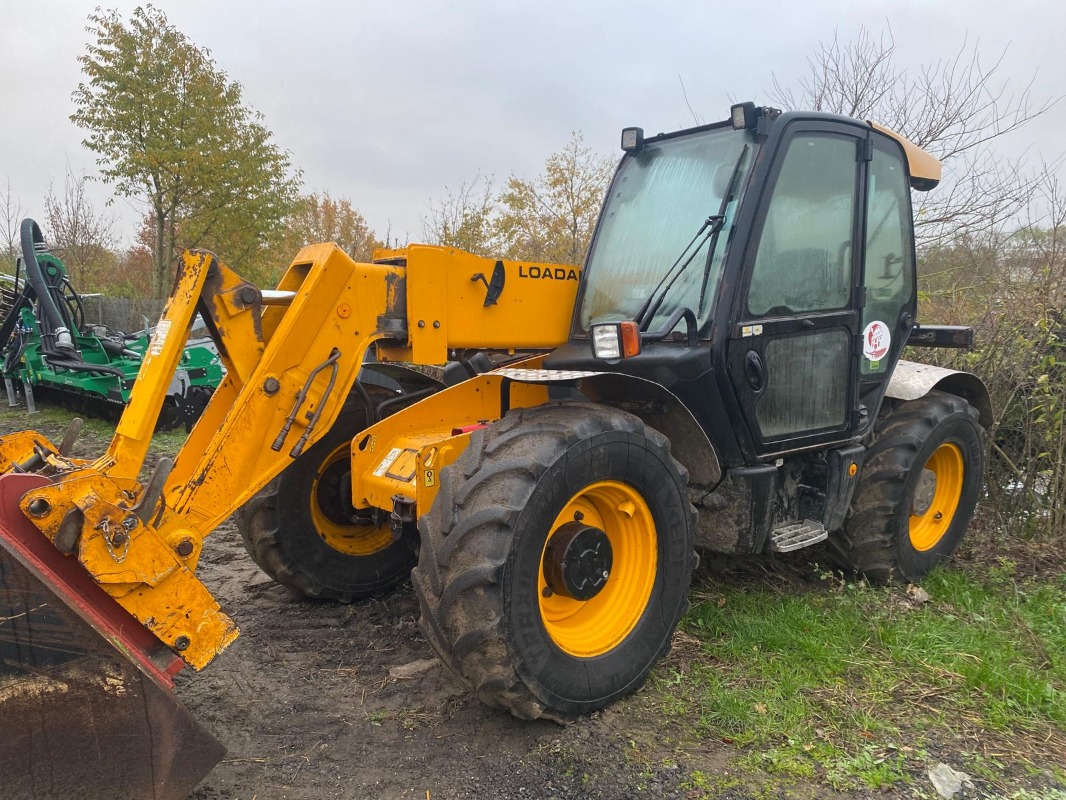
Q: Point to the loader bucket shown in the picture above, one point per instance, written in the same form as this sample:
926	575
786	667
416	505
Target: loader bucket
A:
86	702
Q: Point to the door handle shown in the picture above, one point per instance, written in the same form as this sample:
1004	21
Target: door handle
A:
754	371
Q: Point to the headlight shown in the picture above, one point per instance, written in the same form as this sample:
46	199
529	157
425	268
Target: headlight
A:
616	340
632	139
743	116
606	343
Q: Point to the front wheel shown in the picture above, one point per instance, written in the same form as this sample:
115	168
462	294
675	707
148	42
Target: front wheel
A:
917	491
556	559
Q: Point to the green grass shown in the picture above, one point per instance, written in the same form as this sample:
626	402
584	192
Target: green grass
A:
19	418
95	434
861	688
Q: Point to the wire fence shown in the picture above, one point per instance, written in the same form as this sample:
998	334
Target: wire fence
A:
121	313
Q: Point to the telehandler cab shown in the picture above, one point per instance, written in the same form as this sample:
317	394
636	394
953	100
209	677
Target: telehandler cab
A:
725	371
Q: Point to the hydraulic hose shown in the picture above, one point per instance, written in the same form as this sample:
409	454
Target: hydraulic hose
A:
115	348
10	324
84	366
63	354
31	236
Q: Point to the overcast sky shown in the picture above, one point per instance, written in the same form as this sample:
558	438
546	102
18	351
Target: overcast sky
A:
387	103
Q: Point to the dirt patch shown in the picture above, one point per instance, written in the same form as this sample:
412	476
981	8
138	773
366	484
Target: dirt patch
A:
987	543
319	700
330	700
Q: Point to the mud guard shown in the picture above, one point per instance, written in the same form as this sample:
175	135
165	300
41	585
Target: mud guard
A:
656	405
86	702
911	380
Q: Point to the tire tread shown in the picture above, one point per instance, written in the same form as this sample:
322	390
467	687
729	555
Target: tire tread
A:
466	537
867	543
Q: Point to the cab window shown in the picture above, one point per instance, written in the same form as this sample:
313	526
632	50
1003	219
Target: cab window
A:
803	260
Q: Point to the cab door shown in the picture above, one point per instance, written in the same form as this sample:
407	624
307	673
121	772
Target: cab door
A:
792	352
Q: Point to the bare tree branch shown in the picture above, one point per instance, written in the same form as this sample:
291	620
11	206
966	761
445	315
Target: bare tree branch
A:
10	219
695	117
83	238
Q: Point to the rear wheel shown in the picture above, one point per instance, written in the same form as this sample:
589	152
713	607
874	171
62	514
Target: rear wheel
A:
302	530
917	492
556	559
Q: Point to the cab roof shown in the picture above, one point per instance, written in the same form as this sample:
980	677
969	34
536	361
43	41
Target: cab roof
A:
924	168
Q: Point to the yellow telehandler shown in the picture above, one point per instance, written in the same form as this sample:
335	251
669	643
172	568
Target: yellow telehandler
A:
724	371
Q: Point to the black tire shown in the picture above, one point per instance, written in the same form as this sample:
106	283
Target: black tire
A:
880	533
281	534
483	540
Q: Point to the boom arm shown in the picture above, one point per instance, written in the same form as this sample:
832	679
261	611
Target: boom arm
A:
291	357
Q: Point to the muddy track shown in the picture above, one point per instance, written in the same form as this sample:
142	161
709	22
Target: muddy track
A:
330	700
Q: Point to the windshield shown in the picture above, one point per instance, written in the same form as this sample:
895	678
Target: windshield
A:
658	201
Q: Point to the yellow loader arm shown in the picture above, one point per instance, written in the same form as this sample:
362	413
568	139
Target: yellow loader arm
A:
291	356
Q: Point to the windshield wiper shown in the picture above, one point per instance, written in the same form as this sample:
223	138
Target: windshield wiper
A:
651	306
710	229
730	190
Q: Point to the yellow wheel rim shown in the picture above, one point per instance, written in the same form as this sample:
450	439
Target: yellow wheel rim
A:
587	628
929	523
332	478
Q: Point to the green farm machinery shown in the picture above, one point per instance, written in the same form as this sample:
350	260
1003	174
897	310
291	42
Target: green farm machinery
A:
51	354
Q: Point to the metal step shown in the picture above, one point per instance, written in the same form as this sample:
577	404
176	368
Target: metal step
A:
794	535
